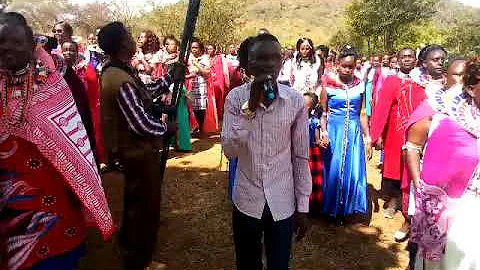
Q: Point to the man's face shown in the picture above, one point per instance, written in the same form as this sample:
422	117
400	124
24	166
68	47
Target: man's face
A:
456	72
232	49
434	63
265	58
386	60
15	50
196	49
70	53
407	60
358	64
393	63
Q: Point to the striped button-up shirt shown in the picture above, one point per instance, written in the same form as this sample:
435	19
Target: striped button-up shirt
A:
272	151
131	105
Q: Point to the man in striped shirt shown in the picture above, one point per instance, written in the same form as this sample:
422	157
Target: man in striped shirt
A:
266	128
132	135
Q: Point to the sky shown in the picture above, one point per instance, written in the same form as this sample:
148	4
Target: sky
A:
473	3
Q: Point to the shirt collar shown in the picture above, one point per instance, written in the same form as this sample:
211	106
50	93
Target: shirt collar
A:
282	91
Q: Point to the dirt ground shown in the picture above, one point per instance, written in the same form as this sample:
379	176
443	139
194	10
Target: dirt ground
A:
195	230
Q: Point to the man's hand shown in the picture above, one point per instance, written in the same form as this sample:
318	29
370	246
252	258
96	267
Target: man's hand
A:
369	152
256	94
379	144
300	225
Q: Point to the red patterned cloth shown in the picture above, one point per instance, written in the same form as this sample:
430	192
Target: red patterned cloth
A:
397	99
38	197
316	168
44	114
88	75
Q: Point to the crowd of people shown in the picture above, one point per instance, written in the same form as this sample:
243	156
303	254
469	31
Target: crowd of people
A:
299	126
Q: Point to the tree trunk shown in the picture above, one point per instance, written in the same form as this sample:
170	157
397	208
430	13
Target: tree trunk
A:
369	45
388	40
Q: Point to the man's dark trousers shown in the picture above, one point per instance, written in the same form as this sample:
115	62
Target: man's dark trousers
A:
248	233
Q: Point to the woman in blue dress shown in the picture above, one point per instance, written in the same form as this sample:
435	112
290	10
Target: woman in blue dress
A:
343	121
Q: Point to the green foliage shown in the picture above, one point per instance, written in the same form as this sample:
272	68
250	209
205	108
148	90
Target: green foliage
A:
372	19
417	35
464	39
216	22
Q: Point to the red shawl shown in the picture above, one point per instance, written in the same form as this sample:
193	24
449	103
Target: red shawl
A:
397	99
220	83
52	122
88	75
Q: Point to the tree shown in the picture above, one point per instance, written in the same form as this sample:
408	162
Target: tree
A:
216	22
463	39
90	16
43	14
376	18
418	35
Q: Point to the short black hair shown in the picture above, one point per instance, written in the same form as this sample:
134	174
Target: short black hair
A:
247	44
111	36
73	43
66	27
323	48
170	37
52	43
433	48
404	49
200	44
313	96
346	51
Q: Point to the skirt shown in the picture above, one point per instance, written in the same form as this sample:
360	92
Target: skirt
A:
316	168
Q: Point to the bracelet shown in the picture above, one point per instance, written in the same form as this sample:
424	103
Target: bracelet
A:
411	147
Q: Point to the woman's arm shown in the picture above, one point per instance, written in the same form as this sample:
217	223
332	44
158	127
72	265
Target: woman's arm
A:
416	137
365	128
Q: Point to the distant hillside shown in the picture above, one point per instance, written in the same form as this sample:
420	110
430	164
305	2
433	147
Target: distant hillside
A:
320	19
291	19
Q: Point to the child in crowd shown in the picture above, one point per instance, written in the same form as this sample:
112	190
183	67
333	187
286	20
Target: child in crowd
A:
316	162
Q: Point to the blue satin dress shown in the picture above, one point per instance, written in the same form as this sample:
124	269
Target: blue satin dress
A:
345	176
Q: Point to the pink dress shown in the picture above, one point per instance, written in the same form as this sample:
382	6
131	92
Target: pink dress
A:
447	175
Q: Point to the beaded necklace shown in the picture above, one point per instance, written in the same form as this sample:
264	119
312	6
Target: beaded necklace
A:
11	90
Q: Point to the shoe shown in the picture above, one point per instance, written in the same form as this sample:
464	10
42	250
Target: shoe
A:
389	213
403	233
400	236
